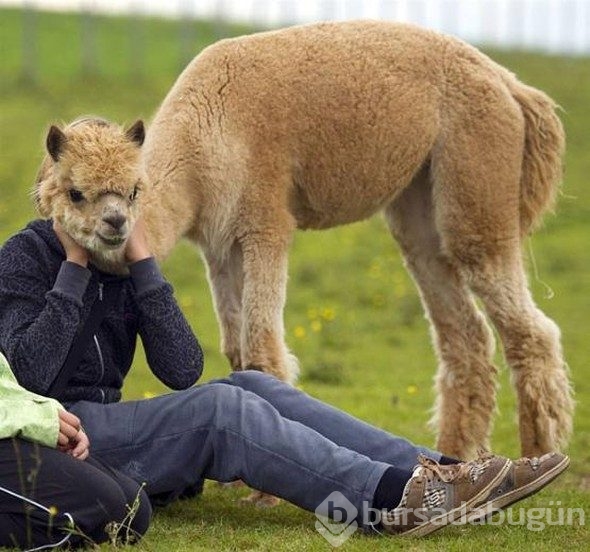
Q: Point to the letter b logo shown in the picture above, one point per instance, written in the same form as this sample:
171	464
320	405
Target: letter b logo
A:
336	518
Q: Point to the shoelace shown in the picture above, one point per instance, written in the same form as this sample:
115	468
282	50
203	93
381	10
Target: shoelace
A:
484	454
447	473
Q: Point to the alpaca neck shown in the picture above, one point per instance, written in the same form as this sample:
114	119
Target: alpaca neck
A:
168	212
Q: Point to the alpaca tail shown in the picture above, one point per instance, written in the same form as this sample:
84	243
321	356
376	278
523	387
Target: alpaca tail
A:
543	151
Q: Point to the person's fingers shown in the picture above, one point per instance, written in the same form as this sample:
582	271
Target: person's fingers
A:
62	440
69	431
70	418
85	453
80	451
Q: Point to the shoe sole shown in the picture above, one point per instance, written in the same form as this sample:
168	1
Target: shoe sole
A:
441	521
520	493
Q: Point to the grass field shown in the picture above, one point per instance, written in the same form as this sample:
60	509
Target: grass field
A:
353	316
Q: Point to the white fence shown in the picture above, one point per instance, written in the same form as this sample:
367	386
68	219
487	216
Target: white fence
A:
555	26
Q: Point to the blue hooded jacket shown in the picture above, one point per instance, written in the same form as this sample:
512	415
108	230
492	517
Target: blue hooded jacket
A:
45	299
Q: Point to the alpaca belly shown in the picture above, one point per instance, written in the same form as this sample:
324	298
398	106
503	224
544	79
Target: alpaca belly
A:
339	189
322	208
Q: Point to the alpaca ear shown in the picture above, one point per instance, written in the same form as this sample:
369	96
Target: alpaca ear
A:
55	142
136	132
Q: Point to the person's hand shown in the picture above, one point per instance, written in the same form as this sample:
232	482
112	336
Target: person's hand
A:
75	253
71	438
137	247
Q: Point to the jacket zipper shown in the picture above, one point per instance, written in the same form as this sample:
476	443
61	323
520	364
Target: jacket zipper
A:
98	349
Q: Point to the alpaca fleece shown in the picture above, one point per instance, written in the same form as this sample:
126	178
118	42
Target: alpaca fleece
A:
317	126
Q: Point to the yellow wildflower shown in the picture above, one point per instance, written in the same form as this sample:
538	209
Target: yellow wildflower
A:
375	270
312	313
328	314
299	332
187	302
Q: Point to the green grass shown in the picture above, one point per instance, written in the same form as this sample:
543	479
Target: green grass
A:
353	316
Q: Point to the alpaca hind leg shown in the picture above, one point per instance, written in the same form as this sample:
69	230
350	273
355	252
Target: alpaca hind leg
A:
533	351
463	342
476	182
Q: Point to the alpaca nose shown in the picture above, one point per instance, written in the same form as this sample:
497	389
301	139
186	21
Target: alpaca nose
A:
116	221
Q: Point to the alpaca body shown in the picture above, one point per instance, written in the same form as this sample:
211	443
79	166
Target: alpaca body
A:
317	126
322	125
241	113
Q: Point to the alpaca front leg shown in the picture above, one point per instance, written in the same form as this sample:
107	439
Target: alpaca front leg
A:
226	281
263	300
226	278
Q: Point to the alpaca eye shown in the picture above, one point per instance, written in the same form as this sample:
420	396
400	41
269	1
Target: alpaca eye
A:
76	196
133	195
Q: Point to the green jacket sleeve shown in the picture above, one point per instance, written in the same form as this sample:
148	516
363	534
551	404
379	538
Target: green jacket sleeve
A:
25	414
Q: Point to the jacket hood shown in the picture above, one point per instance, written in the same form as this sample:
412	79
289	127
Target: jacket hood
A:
44	229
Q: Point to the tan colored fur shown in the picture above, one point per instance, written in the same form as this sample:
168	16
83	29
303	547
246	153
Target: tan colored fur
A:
98	160
321	125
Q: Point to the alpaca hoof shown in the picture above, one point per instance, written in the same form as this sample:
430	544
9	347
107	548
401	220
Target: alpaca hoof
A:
235	360
232	484
260	499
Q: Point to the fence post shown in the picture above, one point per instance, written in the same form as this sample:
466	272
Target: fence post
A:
29	43
186	25
219	22
137	40
88	39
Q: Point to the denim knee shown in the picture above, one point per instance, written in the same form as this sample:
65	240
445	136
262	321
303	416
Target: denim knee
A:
224	404
251	379
219	395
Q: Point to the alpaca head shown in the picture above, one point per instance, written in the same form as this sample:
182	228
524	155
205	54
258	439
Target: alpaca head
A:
90	182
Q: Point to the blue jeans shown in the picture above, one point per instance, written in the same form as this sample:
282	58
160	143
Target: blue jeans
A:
250	426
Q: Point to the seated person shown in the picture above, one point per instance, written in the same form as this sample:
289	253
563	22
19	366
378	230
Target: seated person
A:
249	426
52	492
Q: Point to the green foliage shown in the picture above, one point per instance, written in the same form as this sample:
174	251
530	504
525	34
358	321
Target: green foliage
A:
353	316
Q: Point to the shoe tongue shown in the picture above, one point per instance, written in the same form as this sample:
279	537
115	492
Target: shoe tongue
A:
418	470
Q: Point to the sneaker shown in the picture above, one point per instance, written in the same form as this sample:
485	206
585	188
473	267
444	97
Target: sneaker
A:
436	495
525	477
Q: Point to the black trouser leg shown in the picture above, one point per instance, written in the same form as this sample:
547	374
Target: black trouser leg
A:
43	491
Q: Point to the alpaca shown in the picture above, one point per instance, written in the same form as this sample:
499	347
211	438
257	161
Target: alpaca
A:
321	125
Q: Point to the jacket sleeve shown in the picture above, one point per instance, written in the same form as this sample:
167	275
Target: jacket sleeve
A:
24	414
38	317
172	350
